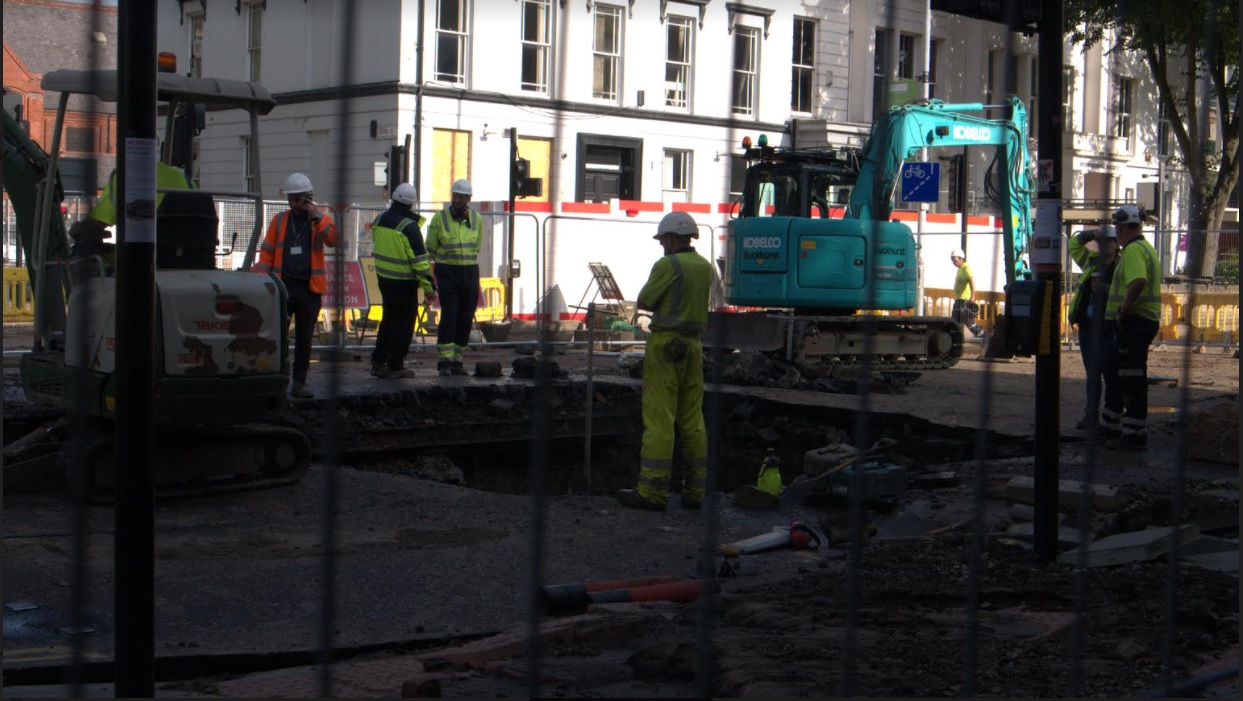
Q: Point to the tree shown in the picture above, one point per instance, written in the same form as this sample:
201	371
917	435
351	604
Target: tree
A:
1180	41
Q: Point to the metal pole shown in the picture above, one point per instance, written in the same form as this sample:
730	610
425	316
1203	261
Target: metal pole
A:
1048	359
509	234
418	105
925	93
135	351
1163	237
591	392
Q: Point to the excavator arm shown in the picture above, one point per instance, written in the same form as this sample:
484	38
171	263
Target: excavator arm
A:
26	168
902	132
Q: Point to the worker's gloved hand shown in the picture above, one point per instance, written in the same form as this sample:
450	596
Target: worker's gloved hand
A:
1086	235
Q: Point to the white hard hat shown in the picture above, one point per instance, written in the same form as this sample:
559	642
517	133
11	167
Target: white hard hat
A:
1129	214
1108	231
462	187
405	194
297	183
678	224
958	253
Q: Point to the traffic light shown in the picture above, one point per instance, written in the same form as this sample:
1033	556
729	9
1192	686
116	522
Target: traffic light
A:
522	184
397	166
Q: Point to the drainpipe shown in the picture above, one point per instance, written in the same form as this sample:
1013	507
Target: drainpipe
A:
417	160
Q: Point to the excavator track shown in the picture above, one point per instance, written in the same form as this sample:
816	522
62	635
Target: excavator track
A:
189	461
895	343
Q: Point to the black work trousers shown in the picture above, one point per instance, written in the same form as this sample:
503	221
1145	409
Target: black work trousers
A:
1126	401
304	306
458	287
401	305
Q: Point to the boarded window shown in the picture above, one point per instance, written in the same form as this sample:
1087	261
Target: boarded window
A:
450	161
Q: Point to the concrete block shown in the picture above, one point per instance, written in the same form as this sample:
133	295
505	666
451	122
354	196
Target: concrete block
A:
1104	497
1027	513
1136	546
1218	562
1067	537
488	369
935	480
1208	545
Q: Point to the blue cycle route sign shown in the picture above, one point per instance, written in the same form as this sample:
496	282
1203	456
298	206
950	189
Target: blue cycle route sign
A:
921	182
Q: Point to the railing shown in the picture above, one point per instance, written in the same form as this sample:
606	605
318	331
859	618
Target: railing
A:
1213	319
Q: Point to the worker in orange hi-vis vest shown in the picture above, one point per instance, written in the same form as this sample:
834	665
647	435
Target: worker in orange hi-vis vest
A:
293	250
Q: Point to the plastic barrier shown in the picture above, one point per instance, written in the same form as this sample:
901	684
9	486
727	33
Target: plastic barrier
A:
19	297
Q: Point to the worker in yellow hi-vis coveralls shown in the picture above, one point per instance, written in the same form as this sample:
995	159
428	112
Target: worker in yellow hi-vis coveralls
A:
678	293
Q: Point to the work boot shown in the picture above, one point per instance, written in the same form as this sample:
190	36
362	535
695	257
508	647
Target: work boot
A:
379	370
976	330
300	390
1104	433
458	369
399	373
632	498
443	369
1128	442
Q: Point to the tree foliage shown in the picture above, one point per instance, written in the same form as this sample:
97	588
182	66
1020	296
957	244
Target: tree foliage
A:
1180	40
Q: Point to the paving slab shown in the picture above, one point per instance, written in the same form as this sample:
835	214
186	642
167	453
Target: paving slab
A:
1069	493
1136	546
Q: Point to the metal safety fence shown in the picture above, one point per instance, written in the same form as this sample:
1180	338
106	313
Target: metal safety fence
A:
864	524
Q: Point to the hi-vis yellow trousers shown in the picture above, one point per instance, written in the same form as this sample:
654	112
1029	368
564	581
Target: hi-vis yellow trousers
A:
673	392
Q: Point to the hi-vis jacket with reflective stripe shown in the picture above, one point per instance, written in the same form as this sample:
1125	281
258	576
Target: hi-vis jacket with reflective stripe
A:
166	178
399	252
1137	261
678	291
272	252
453	242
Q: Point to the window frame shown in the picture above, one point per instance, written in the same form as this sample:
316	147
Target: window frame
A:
541	49
459	35
906	59
73	133
195	23
1122	126
254	42
687	66
803	67
881	39
612	57
677	165
248	177
990	78
751	72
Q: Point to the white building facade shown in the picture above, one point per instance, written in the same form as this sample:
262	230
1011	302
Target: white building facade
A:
625	110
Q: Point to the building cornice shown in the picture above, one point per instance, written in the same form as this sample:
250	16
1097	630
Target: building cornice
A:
567	106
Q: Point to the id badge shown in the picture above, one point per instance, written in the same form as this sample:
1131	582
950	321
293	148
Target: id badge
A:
295	250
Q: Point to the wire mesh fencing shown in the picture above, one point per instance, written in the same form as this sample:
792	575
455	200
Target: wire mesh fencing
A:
1045	506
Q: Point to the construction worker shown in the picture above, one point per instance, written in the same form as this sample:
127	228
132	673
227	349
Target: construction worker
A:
1087	311
293	250
677	292
1134	306
402	267
88	233
965	311
453	242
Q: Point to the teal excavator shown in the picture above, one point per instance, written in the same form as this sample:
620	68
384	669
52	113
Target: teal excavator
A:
802	281
222	355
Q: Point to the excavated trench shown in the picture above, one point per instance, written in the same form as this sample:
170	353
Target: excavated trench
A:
482	435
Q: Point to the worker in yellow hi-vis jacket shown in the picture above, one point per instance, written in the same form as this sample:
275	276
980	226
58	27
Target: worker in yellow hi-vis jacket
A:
678	293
